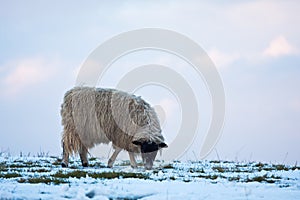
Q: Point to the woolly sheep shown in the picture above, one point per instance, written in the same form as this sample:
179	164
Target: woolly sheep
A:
92	116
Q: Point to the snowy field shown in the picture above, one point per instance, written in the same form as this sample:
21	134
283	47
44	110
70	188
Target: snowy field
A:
43	178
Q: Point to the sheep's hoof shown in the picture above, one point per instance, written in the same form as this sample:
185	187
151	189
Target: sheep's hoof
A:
64	164
85	164
110	163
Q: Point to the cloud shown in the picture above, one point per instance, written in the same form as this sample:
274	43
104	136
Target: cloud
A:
26	73
222	59
279	47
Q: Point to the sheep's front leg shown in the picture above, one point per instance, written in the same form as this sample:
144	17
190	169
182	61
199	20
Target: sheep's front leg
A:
65	160
132	160
83	156
113	157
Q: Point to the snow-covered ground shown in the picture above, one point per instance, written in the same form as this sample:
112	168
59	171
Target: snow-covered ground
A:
43	178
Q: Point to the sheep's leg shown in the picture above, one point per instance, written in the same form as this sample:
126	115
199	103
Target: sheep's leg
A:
65	160
112	159
132	160
83	156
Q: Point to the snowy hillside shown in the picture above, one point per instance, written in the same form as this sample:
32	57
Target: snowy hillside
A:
43	178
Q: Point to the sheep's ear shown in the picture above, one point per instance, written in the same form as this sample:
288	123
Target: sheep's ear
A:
163	145
136	142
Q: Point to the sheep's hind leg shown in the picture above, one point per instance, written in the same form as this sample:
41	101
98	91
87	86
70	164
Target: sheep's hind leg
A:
132	160
65	160
112	159
83	156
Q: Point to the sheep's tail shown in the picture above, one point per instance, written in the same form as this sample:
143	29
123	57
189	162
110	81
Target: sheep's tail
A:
71	142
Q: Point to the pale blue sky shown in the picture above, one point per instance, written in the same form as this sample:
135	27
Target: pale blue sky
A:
254	44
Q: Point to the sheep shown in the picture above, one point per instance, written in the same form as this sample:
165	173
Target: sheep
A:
91	116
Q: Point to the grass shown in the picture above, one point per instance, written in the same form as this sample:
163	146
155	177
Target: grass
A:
49	171
41	170
42	179
10	175
97	165
259	165
215	161
259	179
219	169
57	162
101	175
266	167
281	167
110	175
23	165
168	166
73	174
196	170
208	176
3	167
234	178
127	163
295	168
92	159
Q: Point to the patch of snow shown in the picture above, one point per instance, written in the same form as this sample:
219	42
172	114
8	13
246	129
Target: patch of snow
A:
178	181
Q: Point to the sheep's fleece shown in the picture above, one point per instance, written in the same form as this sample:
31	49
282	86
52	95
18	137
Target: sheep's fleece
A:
92	116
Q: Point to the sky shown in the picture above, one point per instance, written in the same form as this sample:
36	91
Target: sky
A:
255	46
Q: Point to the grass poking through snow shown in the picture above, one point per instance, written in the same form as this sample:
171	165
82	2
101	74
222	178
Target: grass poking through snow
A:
49	171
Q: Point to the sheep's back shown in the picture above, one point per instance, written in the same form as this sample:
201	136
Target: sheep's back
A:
102	115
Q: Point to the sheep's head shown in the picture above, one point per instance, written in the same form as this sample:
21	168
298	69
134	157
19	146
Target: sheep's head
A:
149	150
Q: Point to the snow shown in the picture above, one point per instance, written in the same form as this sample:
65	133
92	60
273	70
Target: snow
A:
147	190
178	181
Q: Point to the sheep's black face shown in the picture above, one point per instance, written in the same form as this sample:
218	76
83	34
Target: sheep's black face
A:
149	152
